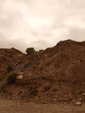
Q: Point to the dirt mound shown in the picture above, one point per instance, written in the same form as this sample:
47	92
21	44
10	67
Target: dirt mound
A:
8	57
54	75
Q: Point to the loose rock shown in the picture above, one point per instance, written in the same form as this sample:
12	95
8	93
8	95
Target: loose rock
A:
78	103
83	94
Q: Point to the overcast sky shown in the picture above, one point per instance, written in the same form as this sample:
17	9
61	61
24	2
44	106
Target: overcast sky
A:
40	23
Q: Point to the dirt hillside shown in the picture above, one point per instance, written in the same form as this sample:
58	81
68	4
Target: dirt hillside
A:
8	57
54	75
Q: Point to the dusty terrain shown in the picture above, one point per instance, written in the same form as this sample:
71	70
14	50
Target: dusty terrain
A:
14	106
53	76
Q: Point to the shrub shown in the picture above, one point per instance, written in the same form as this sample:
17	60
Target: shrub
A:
11	78
30	50
41	50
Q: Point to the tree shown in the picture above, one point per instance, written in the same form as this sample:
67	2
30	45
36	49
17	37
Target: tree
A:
30	50
41	50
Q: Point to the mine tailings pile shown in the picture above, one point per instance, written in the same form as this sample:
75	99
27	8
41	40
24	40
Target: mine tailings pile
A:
56	74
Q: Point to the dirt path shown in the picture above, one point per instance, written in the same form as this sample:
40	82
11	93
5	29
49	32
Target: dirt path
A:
13	106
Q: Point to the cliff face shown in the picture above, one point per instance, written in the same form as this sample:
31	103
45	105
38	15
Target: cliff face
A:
58	73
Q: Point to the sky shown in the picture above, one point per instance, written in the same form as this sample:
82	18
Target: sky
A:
40	23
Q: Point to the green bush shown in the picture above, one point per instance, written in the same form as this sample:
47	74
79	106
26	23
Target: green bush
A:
11	78
41	50
30	50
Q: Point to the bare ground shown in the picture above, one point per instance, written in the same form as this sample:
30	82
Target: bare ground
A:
56	74
14	106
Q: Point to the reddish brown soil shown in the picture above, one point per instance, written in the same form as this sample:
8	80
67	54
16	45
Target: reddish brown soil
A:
53	76
8	57
14	106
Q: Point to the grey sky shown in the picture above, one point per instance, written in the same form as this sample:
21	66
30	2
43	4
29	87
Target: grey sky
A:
40	23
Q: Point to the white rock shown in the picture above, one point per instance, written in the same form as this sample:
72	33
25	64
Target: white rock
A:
83	94
20	77
78	103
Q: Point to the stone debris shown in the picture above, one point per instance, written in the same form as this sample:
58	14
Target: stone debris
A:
20	77
83	94
78	103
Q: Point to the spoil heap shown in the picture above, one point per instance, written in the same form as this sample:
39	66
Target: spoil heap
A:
54	75
8	57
